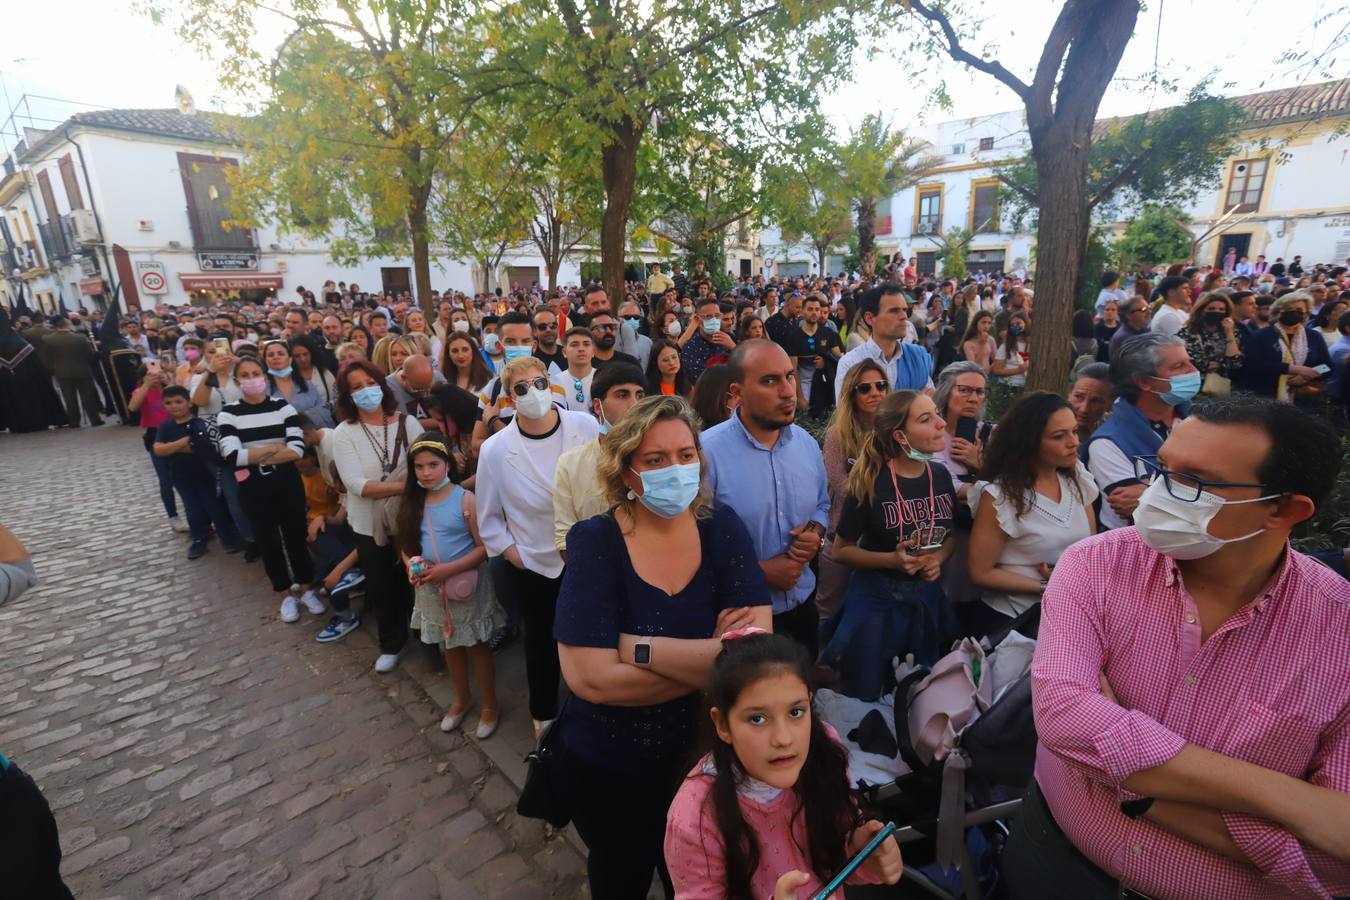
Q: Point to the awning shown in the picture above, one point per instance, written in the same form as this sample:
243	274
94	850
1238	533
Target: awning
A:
91	287
226	282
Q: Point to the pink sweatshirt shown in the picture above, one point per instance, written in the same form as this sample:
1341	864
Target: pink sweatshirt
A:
694	848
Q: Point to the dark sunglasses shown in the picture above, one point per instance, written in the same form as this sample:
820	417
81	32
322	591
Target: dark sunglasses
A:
521	388
863	388
604	327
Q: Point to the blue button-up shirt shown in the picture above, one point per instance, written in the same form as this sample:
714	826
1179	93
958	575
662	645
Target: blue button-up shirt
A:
773	489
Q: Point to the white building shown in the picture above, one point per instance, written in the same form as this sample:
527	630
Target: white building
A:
1289	182
137	199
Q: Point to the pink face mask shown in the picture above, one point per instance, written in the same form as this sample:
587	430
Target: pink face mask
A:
253	386
192	355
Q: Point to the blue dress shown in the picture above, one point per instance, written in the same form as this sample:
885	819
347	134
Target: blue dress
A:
473	620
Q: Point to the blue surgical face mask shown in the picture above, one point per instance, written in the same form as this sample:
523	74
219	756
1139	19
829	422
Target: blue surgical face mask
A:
712	326
631	322
1184	388
443	482
491	342
279	373
369	398
669	491
511	353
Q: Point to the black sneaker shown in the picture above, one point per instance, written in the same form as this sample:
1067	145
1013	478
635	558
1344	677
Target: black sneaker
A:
251	551
197	550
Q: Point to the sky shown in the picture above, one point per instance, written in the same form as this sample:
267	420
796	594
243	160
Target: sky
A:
121	59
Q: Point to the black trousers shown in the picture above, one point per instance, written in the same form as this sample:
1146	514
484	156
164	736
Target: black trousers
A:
387	591
1041	863
622	820
274	501
30	849
537	598
81	390
802	624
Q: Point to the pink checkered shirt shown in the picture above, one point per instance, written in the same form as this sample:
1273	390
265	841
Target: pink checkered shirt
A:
1271	687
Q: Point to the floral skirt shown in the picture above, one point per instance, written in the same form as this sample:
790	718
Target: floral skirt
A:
473	620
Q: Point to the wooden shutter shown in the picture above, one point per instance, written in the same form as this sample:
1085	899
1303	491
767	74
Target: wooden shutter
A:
73	195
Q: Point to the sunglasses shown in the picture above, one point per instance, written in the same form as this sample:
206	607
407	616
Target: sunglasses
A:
604	327
521	388
863	388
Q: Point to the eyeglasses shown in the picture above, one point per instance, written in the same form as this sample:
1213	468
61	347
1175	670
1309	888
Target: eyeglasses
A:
965	391
581	391
1186	488
521	388
863	388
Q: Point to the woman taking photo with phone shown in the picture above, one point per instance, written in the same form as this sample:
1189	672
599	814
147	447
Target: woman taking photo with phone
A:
649	590
893	532
1034	498
260	438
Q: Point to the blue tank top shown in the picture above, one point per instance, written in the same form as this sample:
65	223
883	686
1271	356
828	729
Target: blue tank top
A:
452	538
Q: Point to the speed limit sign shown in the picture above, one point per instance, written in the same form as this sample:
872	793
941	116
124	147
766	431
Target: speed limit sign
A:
150	276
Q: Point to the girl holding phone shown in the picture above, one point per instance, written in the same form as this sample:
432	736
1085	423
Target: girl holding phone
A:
769	812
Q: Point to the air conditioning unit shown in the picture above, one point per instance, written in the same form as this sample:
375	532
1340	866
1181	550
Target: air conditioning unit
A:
928	228
86	229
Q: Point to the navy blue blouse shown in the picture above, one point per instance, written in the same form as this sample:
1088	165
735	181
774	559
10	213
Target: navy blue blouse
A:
602	596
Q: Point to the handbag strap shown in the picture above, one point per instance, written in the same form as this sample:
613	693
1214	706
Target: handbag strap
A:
443	587
400	440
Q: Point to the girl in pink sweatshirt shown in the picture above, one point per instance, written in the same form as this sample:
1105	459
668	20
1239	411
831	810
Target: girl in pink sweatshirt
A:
769	812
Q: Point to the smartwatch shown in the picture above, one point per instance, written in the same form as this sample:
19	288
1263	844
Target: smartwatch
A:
642	653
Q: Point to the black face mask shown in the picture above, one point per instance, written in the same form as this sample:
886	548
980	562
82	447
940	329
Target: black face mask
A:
1291	317
1214	316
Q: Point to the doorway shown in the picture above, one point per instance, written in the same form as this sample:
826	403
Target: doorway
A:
396	280
1239	242
746	268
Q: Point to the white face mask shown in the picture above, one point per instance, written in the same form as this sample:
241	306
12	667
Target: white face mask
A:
1179	529
535	404
462	326
674	330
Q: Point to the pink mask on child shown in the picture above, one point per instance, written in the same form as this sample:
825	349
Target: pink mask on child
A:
253	386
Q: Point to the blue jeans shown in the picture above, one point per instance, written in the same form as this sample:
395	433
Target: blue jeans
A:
164	473
229	489
205	509
882	617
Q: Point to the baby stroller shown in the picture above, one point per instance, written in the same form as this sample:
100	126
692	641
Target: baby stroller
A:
965	750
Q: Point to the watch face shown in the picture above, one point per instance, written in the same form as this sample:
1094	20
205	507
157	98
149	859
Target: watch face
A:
642	654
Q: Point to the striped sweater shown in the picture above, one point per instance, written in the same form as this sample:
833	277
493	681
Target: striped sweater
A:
244	426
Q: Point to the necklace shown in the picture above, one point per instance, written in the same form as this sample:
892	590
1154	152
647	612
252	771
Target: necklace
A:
382	448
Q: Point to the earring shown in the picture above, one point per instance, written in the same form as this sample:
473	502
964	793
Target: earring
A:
631	495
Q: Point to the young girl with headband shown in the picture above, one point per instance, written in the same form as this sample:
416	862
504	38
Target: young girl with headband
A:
454	606
769	812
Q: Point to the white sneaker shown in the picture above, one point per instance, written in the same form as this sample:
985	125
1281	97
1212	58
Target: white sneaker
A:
178	524
313	604
290	609
386	662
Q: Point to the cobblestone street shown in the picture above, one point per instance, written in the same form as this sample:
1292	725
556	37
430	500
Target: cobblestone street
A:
192	745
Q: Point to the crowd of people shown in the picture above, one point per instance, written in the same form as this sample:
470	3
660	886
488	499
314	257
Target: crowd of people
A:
631	486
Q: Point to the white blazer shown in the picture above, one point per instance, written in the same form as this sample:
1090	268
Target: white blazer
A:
515	500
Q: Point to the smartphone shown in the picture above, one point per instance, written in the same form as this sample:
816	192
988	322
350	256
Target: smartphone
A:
153	367
852	865
222	344
1322	369
965	428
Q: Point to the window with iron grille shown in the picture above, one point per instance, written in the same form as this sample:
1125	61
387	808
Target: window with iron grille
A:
986	143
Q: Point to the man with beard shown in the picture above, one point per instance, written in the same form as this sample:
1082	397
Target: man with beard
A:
771	473
605	329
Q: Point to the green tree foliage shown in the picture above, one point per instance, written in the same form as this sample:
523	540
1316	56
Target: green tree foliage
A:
1157	235
1099	256
1163	158
355	114
608	79
952	252
876	162
807	199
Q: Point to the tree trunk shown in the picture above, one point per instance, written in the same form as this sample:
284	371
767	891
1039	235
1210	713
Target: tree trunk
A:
867	244
1062	161
619	165
553	260
421	253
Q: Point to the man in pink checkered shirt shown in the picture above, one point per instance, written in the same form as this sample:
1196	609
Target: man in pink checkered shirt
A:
1192	682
